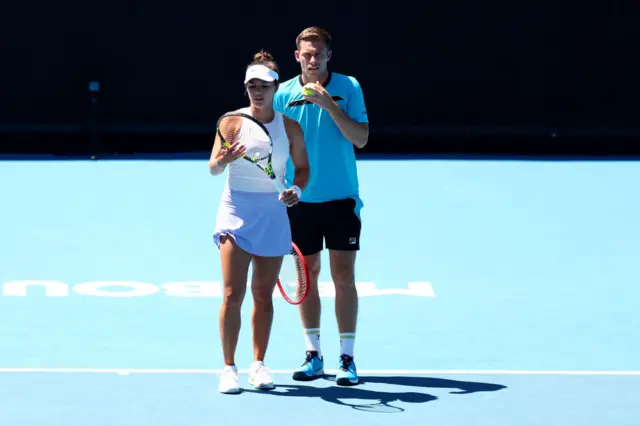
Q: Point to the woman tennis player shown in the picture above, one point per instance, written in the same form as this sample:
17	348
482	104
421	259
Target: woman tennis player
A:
252	225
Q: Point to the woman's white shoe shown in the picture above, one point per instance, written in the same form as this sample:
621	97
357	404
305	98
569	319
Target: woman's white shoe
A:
229	382
260	376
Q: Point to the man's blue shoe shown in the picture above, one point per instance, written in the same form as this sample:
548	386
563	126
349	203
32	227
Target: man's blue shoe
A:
312	368
347	372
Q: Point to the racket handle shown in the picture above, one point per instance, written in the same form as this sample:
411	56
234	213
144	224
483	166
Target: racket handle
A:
279	185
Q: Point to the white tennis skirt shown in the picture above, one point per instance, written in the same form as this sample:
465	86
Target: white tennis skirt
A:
257	221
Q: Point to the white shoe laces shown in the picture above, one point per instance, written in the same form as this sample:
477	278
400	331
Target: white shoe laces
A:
262	374
228	377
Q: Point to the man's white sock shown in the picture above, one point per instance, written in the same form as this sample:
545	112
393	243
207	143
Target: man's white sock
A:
312	337
347	342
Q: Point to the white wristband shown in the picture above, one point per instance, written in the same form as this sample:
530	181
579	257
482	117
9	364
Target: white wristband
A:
297	190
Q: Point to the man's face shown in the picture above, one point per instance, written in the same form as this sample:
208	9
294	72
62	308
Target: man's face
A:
313	57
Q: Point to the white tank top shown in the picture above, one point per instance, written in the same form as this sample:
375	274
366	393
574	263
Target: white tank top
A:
245	176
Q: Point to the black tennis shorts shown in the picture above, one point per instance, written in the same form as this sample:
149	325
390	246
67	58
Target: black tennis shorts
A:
334	223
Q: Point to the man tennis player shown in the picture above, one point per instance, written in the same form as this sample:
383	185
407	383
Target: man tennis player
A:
252	226
334	119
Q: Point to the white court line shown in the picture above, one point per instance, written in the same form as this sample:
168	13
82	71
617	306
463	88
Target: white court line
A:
364	372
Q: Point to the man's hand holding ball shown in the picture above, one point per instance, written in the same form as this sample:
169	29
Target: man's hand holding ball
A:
315	93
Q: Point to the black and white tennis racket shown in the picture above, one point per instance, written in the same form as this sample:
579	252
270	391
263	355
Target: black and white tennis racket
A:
235	126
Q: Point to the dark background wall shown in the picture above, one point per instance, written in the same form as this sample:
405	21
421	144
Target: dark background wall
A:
436	75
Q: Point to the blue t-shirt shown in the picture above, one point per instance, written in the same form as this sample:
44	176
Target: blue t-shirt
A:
332	160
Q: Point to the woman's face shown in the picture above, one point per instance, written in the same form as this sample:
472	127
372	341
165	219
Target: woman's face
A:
261	92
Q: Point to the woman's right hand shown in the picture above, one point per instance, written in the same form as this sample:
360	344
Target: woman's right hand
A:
230	154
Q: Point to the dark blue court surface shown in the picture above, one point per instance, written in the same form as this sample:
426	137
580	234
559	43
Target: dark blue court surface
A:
498	293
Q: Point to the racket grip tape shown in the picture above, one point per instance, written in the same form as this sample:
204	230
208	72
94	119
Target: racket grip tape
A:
279	185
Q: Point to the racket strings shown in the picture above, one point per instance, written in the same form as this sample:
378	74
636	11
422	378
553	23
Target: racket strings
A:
257	141
257	153
230	129
300	275
293	278
238	129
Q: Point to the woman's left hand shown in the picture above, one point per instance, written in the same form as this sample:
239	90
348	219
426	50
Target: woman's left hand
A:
289	197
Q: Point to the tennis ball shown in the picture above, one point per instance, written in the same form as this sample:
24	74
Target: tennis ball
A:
307	92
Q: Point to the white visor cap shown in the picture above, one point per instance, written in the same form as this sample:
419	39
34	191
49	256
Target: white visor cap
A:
261	73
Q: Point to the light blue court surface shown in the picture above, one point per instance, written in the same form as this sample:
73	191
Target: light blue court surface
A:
501	293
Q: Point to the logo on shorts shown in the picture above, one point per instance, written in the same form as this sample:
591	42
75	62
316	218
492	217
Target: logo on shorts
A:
352	240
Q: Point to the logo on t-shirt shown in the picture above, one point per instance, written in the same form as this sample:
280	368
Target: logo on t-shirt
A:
305	102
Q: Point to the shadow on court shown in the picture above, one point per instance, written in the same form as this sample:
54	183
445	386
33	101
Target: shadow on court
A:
360	398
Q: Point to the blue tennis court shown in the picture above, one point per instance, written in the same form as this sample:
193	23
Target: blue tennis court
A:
493	292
